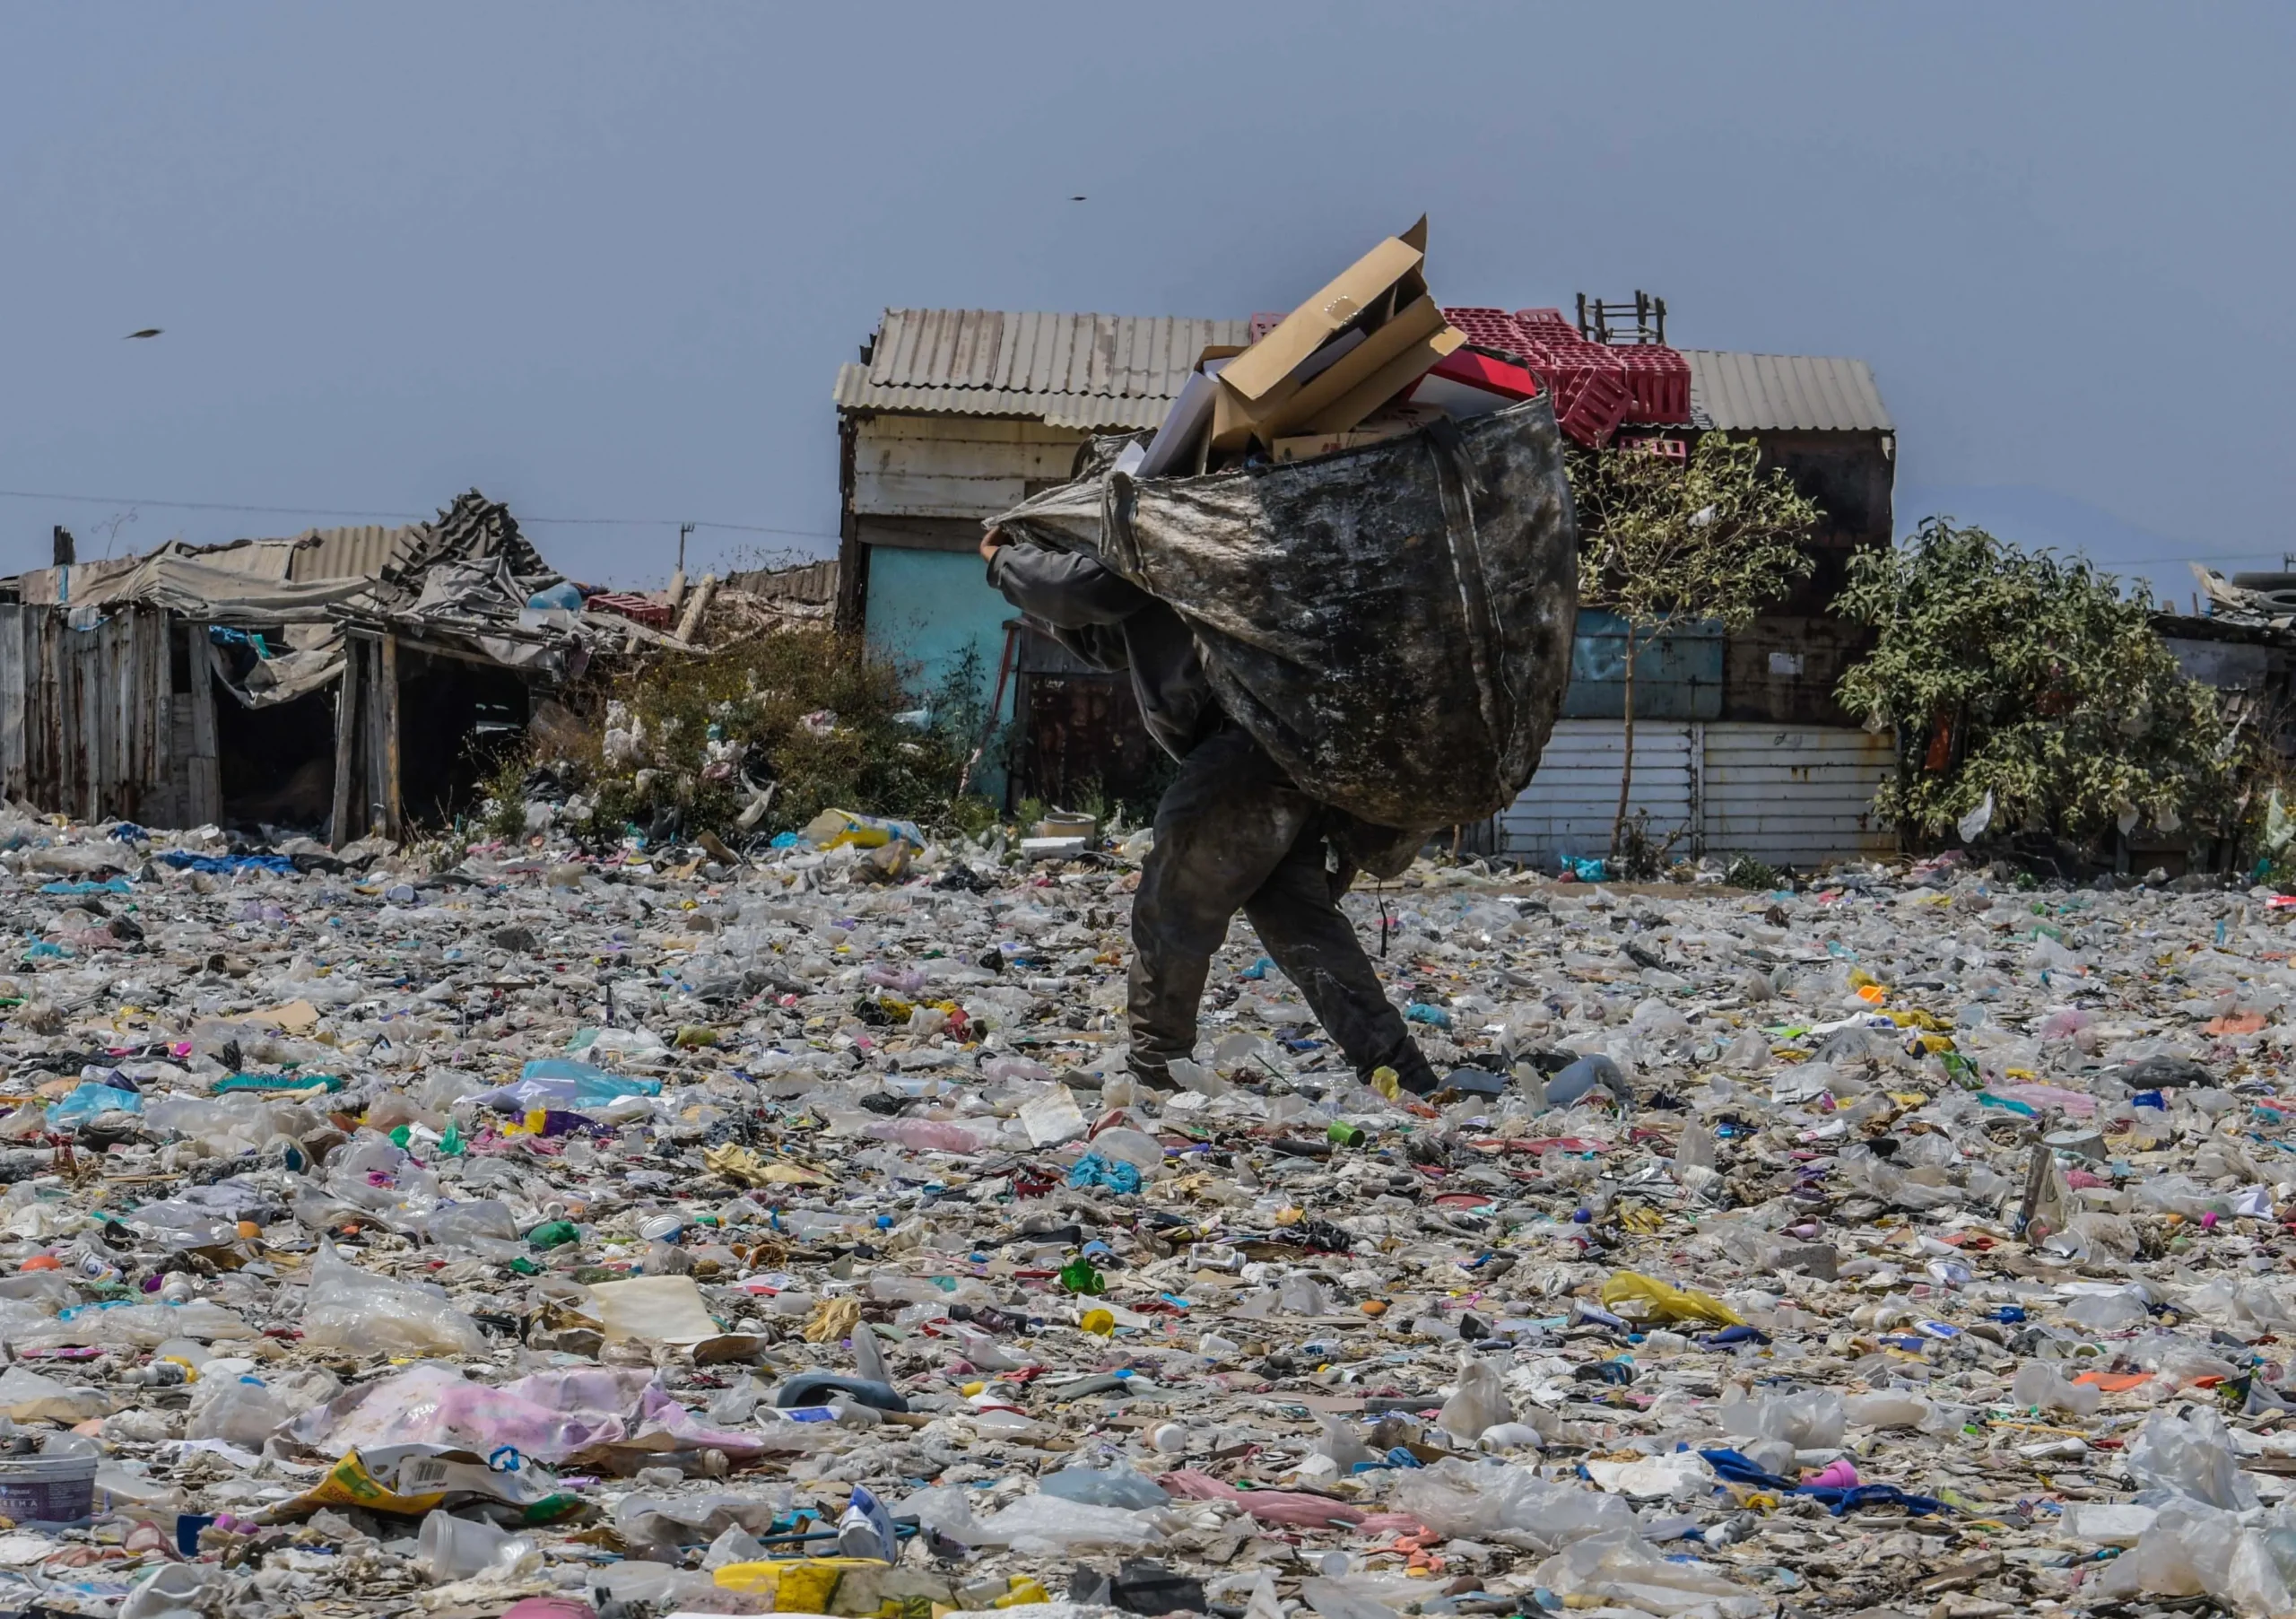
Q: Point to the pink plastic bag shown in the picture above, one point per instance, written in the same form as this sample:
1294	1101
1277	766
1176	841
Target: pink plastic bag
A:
550	1416
1293	1507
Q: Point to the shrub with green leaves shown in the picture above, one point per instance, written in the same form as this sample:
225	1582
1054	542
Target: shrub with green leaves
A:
816	714
2030	676
1747	871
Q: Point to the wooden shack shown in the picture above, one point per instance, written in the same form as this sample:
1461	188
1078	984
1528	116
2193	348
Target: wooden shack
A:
337	681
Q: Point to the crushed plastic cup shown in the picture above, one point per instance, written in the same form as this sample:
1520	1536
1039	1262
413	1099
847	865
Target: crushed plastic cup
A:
456	1548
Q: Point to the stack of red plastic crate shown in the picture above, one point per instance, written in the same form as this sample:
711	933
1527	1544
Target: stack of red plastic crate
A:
644	609
1657	377
1589	380
1589	383
1595	387
1491	328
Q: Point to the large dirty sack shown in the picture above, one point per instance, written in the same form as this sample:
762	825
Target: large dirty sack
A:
1391	622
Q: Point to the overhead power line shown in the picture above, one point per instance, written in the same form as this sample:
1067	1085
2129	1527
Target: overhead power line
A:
400	517
288	511
803	534
2162	562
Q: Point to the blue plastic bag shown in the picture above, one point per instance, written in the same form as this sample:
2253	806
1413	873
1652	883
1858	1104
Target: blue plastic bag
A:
567	1085
1113	1174
88	1099
1585	1076
218	865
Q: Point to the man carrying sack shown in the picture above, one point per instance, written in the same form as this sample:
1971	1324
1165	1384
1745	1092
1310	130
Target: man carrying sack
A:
1232	833
1344	573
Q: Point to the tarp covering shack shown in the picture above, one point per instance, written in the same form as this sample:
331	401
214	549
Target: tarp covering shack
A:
266	678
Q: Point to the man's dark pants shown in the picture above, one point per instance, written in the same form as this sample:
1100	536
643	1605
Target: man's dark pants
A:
1233	833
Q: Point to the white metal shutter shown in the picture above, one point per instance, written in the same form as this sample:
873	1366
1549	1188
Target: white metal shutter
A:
1796	795
1791	796
1569	805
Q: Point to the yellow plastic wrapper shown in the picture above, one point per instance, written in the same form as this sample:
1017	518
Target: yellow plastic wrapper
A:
412	1485
832	1320
350	1484
795	1585
856	1588
1657	1300
741	1165
835	828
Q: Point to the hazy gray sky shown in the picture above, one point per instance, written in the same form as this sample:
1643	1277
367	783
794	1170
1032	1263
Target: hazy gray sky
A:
604	261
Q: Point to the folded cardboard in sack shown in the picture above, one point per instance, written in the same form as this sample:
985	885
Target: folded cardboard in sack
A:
1358	341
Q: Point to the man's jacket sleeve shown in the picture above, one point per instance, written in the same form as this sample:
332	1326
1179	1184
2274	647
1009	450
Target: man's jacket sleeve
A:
1063	588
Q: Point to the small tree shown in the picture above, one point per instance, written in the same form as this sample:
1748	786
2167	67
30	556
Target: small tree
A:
2031	677
1668	544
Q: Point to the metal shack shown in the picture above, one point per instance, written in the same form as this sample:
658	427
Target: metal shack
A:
950	416
1739	746
345	678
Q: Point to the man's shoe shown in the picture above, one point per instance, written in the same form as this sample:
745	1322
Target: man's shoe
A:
1156	1081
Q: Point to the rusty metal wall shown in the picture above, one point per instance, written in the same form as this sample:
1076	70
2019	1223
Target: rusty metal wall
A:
86	715
1081	733
1785	670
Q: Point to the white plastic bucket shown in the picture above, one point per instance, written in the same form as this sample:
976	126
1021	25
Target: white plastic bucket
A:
48	1488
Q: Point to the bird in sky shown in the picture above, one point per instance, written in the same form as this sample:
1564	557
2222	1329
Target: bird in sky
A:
1076	199
147	331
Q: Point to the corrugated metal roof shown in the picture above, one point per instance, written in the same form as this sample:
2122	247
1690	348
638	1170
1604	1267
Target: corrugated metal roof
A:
1085	411
38	585
1746	393
347	554
1101	371
1068	371
266	560
1125	355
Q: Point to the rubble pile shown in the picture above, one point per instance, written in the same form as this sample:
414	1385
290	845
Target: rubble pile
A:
781	1230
